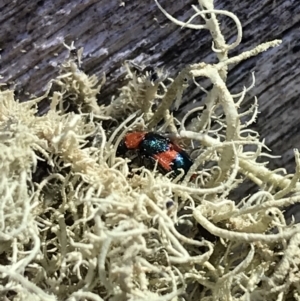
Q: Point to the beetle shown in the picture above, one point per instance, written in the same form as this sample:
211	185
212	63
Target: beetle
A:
153	146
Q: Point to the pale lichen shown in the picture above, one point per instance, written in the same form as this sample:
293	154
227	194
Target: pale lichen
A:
79	223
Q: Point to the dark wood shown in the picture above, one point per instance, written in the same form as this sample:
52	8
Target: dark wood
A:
32	33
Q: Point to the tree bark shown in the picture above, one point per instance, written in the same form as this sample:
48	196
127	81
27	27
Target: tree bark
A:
33	32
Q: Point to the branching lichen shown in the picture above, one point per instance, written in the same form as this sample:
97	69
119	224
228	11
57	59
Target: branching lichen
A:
78	222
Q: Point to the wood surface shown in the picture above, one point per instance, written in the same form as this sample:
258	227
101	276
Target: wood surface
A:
112	31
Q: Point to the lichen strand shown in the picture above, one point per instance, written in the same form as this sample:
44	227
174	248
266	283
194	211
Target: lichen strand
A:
79	223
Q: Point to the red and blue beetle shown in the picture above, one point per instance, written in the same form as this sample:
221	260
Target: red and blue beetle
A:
150	145
169	157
